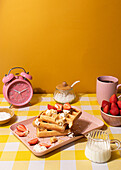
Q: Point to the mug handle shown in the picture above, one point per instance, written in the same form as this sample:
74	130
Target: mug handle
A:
114	141
117	89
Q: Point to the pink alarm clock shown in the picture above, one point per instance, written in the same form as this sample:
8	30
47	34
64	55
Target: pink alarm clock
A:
17	90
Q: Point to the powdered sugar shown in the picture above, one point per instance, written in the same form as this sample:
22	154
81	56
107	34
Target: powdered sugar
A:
4	116
62	98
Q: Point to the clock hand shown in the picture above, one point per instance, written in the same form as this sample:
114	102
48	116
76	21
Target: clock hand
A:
23	90
17	91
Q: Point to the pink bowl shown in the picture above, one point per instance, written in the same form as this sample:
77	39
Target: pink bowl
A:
110	119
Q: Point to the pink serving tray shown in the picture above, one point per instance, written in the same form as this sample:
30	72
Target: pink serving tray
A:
85	123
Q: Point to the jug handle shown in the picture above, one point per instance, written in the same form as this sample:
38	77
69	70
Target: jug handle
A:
114	141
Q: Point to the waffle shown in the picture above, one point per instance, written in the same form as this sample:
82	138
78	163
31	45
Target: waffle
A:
50	126
60	118
49	133
56	121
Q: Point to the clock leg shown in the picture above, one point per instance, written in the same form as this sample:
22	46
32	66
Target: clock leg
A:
10	106
30	104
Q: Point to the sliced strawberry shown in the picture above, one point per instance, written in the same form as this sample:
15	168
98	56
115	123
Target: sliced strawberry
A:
20	134
21	128
104	103
114	111
106	109
45	144
59	107
66	106
33	141
113	98
51	107
119	104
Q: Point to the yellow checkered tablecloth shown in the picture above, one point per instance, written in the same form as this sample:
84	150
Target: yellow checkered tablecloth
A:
14	155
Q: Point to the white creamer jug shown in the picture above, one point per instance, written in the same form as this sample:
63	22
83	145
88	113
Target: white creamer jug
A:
98	146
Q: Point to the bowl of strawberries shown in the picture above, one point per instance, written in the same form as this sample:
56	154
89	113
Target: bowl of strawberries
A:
111	111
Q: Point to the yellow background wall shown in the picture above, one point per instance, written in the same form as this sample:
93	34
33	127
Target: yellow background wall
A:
58	40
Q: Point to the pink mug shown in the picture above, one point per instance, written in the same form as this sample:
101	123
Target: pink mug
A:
106	86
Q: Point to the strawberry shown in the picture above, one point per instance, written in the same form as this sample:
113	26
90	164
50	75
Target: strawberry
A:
114	106
19	133
45	144
66	106
120	112
104	103
119	104
33	141
113	98
51	107
59	107
114	111
21	128
106	109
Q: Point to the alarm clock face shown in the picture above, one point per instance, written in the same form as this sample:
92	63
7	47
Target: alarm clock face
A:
19	93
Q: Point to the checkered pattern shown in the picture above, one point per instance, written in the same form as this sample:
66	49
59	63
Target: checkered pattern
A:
14	155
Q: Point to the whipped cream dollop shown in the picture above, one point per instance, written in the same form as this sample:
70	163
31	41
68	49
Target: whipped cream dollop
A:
66	111
39	148
62	115
4	116
51	111
26	132
37	122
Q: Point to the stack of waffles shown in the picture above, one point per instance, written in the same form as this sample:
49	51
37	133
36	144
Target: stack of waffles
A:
56	120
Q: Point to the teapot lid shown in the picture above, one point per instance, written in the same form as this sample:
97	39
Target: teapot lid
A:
63	86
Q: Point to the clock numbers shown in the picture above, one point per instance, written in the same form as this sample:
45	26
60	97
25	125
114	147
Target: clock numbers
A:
12	97
24	98
19	93
11	93
19	84
27	91
19	100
